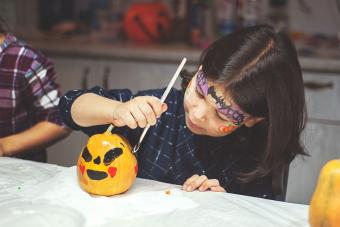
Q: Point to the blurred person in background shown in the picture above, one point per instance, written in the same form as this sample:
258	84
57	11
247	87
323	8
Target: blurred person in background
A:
29	96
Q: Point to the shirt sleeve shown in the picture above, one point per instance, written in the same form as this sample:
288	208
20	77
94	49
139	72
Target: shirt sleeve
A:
122	95
42	91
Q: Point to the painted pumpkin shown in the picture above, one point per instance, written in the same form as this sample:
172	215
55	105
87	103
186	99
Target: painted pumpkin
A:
147	22
324	209
106	165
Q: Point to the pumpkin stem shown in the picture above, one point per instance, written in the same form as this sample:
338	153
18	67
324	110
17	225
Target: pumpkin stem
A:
109	129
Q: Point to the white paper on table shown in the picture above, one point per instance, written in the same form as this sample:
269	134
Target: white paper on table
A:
146	197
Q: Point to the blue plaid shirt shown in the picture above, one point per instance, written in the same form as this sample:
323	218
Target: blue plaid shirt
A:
171	153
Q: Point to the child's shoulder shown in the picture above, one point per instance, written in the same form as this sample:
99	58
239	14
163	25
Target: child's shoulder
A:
19	48
15	44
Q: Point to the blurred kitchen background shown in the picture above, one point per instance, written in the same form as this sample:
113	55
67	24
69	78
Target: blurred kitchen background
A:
138	45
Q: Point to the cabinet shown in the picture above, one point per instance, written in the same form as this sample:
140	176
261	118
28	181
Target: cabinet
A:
137	75
75	73
321	136
323	95
71	74
322	143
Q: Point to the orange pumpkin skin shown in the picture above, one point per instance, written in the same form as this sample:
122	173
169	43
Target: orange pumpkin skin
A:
106	165
324	210
147	22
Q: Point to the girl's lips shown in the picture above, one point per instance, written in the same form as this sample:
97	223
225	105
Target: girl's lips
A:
194	126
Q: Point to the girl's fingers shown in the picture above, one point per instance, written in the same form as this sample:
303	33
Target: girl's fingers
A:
138	116
217	189
202	183
188	181
148	112
196	183
140	111
164	107
118	123
129	120
208	184
156	105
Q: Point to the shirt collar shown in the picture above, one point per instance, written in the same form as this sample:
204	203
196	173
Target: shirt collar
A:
9	39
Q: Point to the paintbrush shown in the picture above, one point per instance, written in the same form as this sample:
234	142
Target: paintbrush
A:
165	94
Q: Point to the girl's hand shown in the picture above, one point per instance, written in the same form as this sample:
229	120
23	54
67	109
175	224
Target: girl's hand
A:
140	111
202	183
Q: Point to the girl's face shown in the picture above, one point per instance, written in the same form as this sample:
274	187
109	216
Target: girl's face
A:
209	109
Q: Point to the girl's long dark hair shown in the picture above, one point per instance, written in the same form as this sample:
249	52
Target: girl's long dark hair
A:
260	70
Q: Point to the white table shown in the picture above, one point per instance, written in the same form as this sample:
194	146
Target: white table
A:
36	194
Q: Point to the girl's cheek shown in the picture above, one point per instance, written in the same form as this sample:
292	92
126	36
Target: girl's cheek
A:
189	90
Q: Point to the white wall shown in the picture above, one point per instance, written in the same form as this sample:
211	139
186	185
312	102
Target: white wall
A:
323	17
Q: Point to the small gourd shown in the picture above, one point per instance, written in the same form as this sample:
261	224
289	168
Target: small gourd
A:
106	165
324	209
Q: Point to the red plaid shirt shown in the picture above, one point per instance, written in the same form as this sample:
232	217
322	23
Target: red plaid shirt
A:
28	91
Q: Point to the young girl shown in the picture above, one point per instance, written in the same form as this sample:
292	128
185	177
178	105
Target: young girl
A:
236	126
29	95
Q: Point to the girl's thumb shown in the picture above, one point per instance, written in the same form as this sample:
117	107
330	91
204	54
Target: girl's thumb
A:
164	107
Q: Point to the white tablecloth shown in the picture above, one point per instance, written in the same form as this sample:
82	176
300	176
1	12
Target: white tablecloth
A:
36	194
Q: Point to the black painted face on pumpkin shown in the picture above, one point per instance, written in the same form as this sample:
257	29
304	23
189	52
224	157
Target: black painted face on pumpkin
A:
106	160
106	165
103	157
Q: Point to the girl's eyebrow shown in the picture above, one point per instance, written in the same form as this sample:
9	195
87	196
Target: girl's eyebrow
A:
219	100
236	115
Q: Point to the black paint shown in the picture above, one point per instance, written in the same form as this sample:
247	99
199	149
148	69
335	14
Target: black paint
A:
86	155
96	175
111	155
97	161
218	100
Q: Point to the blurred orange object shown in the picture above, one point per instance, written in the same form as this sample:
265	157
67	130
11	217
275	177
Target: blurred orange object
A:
148	22
325	204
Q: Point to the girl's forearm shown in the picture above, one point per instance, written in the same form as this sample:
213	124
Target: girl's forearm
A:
37	137
91	109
